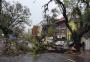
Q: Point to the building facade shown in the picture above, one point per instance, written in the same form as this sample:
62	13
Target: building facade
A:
36	30
61	29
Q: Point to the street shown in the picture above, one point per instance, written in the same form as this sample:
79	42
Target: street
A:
48	57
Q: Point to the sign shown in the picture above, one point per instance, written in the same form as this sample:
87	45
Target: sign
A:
12	36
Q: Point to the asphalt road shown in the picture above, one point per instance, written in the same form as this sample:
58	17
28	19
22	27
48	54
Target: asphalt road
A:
47	57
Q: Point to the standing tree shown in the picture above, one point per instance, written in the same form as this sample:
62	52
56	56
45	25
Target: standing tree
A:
12	19
79	11
13	16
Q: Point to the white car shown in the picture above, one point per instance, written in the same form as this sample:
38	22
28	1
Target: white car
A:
59	43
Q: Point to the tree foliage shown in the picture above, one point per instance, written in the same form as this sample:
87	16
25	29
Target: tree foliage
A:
51	30
77	11
12	16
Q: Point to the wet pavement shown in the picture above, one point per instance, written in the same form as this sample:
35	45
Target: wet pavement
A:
48	57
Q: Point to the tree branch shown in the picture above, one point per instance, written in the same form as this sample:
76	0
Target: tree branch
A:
85	30
64	14
46	6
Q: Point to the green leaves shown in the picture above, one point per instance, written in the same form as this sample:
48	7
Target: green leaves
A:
66	2
86	17
76	11
13	16
51	30
5	20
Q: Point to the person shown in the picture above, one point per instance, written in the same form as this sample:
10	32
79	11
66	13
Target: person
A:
83	46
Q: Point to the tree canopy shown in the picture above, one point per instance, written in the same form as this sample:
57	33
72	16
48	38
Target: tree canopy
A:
12	16
77	11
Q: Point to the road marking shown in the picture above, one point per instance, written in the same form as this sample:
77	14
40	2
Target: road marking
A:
71	60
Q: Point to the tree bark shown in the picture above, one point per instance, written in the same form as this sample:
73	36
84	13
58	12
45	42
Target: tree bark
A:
77	41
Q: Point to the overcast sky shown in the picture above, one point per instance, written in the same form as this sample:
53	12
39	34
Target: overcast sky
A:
36	8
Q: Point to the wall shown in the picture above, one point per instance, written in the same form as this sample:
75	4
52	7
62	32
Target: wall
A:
87	43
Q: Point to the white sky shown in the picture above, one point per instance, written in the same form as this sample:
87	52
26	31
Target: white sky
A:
36	8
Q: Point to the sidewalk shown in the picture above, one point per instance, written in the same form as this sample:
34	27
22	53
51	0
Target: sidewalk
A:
85	54
83	57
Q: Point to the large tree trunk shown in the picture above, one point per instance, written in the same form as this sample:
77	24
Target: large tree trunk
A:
77	41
